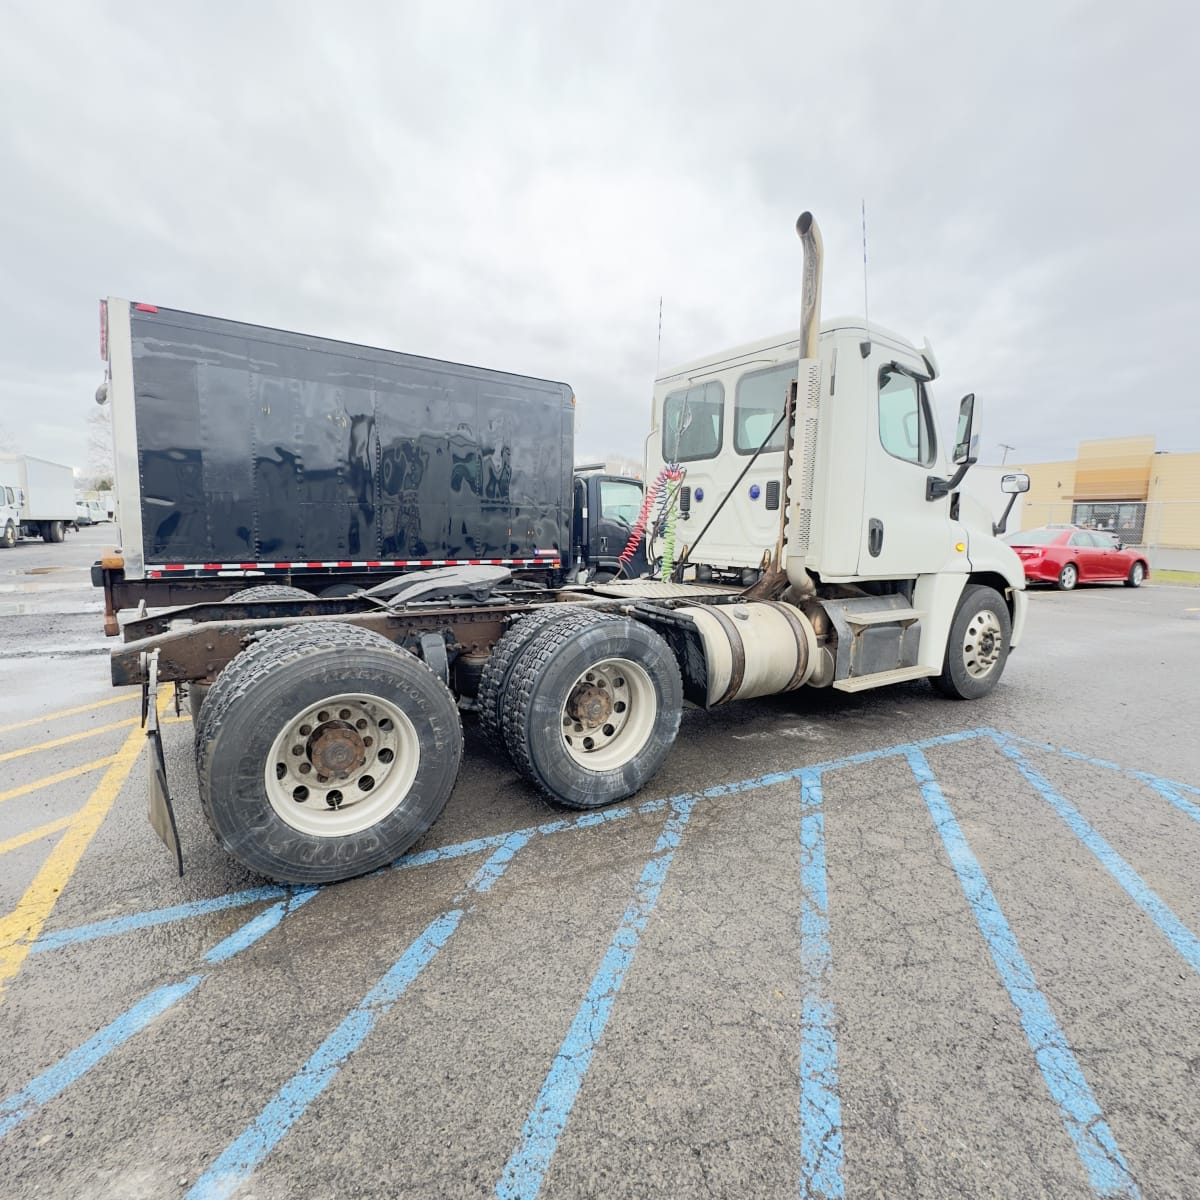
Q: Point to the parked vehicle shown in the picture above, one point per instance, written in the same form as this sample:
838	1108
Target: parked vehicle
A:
1069	555
10	518
247	456
42	493
813	534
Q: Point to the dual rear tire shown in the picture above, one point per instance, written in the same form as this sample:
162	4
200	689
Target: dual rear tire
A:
586	704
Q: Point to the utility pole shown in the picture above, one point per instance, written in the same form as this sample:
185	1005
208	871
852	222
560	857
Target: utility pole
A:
1006	448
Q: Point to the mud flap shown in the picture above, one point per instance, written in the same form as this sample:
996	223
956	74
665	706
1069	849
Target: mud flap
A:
161	811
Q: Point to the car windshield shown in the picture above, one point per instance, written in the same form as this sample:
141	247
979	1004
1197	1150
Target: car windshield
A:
1034	537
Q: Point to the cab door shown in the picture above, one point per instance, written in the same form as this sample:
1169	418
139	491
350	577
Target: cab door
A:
903	533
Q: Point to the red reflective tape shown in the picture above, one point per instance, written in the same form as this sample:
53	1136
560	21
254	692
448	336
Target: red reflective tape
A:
282	566
175	566
314	564
213	567
474	562
155	574
153	308
247	566
425	562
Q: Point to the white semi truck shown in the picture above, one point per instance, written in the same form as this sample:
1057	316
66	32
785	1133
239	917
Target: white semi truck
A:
815	535
38	496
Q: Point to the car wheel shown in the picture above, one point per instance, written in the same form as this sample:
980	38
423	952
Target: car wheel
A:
324	752
591	710
978	646
1136	574
10	536
1068	577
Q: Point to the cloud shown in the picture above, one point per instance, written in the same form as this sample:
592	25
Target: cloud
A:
456	182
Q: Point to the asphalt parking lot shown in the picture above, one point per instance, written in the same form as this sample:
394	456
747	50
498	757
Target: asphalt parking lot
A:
872	945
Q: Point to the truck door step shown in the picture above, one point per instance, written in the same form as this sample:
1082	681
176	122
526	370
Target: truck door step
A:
886	616
860	683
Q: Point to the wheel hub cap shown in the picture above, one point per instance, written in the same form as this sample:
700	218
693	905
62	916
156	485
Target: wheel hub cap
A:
590	705
336	749
982	644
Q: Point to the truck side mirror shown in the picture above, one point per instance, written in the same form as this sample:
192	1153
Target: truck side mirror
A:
966	418
1017	482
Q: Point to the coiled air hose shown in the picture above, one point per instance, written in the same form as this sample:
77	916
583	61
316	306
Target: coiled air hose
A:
671	473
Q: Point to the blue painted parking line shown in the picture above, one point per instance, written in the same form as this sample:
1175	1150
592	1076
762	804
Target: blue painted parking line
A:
526	1168
239	1159
1085	1124
78	1062
1170	792
1171	927
15	1108
820	1101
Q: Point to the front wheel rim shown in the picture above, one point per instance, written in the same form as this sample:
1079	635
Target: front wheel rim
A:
1068	576
342	765
1138	573
982	644
609	714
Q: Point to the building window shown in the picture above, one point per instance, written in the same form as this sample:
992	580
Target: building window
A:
692	421
1127	519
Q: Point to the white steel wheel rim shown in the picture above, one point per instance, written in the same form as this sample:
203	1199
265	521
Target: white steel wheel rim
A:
342	765
982	643
608	715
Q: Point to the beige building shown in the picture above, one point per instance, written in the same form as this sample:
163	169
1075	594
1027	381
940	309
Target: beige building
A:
1147	497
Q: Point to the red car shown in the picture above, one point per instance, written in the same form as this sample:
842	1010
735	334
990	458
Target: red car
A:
1067	555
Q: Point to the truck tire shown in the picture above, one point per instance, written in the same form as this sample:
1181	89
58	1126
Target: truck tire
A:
381	724
591	709
52	531
268	591
9	540
978	646
499	667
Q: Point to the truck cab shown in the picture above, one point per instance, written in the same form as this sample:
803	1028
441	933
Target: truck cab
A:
604	514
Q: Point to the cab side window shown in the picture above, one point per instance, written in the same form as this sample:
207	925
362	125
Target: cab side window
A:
758	405
905	423
692	422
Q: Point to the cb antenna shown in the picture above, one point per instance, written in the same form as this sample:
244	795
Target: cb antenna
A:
658	361
865	347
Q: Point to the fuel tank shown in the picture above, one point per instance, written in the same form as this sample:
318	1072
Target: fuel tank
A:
754	649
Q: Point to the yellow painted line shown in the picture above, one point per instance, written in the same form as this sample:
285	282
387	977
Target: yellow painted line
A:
176	721
71	712
20	928
23	839
71	737
49	780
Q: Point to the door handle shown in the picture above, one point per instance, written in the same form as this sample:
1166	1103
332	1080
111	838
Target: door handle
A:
875	537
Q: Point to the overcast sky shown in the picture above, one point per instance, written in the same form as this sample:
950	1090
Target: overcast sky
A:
516	185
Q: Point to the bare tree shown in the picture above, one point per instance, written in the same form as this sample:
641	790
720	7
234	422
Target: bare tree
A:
100	448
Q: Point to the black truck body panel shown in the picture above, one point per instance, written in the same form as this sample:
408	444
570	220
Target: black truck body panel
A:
266	449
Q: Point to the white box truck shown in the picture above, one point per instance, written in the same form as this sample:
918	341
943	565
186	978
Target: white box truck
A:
39	497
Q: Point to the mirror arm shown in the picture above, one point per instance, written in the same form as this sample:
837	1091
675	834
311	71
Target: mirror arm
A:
936	488
1001	525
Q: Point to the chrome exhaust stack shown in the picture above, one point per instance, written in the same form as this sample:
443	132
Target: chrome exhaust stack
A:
810	292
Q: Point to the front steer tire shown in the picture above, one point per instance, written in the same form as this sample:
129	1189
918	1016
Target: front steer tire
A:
978	646
244	761
559	676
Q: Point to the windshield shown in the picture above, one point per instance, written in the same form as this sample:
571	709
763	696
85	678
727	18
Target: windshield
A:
1034	537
